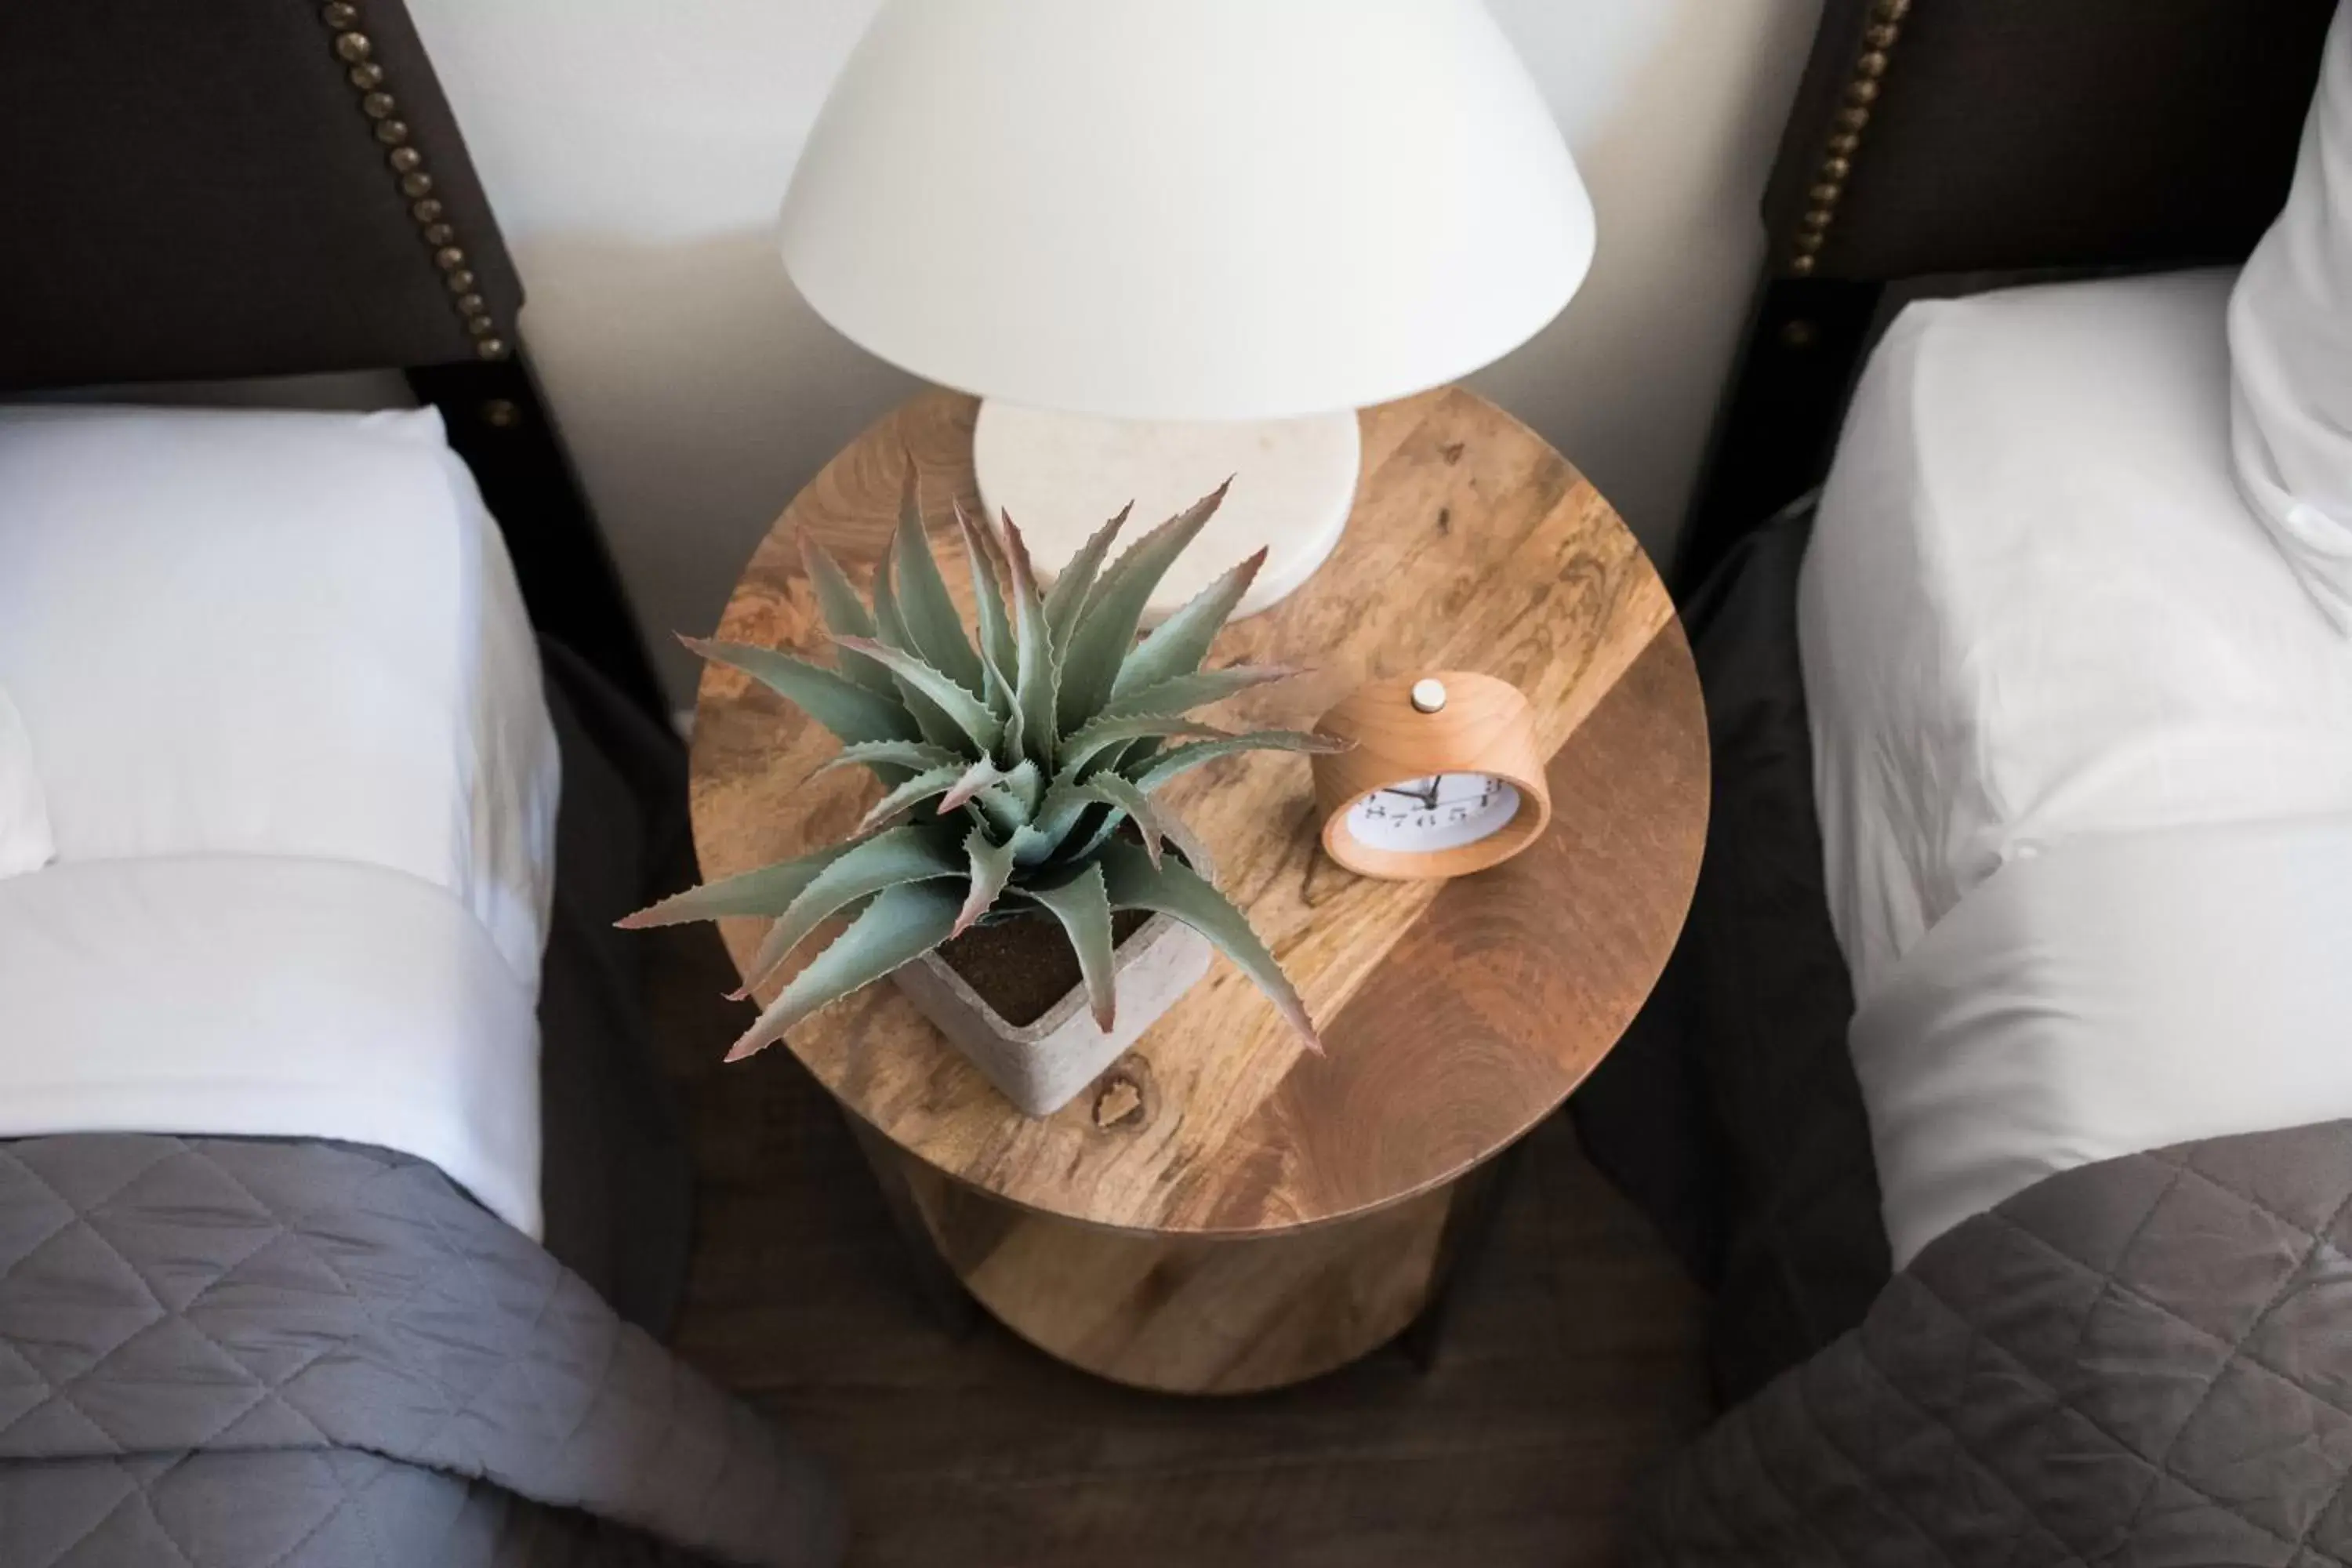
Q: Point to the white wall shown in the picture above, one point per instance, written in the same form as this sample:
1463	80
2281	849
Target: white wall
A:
636	153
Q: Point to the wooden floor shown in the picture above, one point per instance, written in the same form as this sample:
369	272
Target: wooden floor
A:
1571	1363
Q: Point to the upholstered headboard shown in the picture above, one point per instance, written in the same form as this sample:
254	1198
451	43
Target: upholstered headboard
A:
234	188
210	190
1944	136
1942	145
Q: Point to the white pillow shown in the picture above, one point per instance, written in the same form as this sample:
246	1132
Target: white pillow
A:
2290	351
249	632
24	842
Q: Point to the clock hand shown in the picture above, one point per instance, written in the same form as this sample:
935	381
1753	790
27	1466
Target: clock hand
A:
1426	799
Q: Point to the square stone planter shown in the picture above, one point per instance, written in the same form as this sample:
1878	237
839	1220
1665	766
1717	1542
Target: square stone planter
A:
1042	1067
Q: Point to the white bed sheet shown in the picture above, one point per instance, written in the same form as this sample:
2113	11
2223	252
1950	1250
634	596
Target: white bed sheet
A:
285	711
25	841
263	996
2123	992
2036	606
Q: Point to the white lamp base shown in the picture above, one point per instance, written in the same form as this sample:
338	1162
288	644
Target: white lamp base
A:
1062	475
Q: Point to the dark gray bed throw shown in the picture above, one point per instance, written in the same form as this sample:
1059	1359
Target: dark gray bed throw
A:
2146	1360
229	1353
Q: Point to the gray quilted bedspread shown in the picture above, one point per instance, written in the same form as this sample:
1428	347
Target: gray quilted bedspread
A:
2146	1360
229	1353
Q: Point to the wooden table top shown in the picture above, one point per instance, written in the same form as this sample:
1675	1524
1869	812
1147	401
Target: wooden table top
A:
1455	1015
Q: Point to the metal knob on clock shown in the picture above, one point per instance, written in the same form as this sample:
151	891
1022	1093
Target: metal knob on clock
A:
1476	724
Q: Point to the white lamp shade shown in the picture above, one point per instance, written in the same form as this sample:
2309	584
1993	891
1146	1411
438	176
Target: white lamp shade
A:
1187	209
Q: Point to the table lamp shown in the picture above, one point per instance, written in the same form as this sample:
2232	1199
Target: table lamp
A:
1171	241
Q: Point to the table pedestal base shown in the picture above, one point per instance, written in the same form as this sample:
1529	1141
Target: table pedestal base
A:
1187	1315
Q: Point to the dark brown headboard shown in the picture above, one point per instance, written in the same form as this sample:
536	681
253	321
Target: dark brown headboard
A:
1944	136
1993	139
210	190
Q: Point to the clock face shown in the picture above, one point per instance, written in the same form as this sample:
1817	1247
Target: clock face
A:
1422	817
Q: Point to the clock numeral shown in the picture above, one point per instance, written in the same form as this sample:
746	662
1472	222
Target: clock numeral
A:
1424	815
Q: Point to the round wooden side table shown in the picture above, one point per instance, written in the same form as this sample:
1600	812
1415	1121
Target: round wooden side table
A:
1223	1212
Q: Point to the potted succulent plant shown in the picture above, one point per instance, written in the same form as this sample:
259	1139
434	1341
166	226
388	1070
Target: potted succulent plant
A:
1017	878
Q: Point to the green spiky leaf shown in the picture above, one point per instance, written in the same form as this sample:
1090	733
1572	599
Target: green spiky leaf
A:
1155	772
992	575
1077	579
1038	677
1084	908
931	782
1025	784
886	860
998	656
1177	645
981	728
1002	811
894	929
1064	805
833	699
1086	846
769	890
1123	797
1172	888
890	627
1186	692
1105	733
982	774
990	865
890	760
935	629
1031	848
1105	633
845	614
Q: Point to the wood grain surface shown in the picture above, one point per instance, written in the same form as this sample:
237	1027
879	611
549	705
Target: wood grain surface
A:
1456	1014
1189	1314
1572	1364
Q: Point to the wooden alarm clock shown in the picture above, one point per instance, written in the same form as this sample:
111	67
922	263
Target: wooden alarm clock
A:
1443	779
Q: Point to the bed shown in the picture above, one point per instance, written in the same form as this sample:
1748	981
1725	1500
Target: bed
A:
342	1200
1998	1087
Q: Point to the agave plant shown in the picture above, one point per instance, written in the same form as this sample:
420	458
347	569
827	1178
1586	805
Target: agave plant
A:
1018	763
